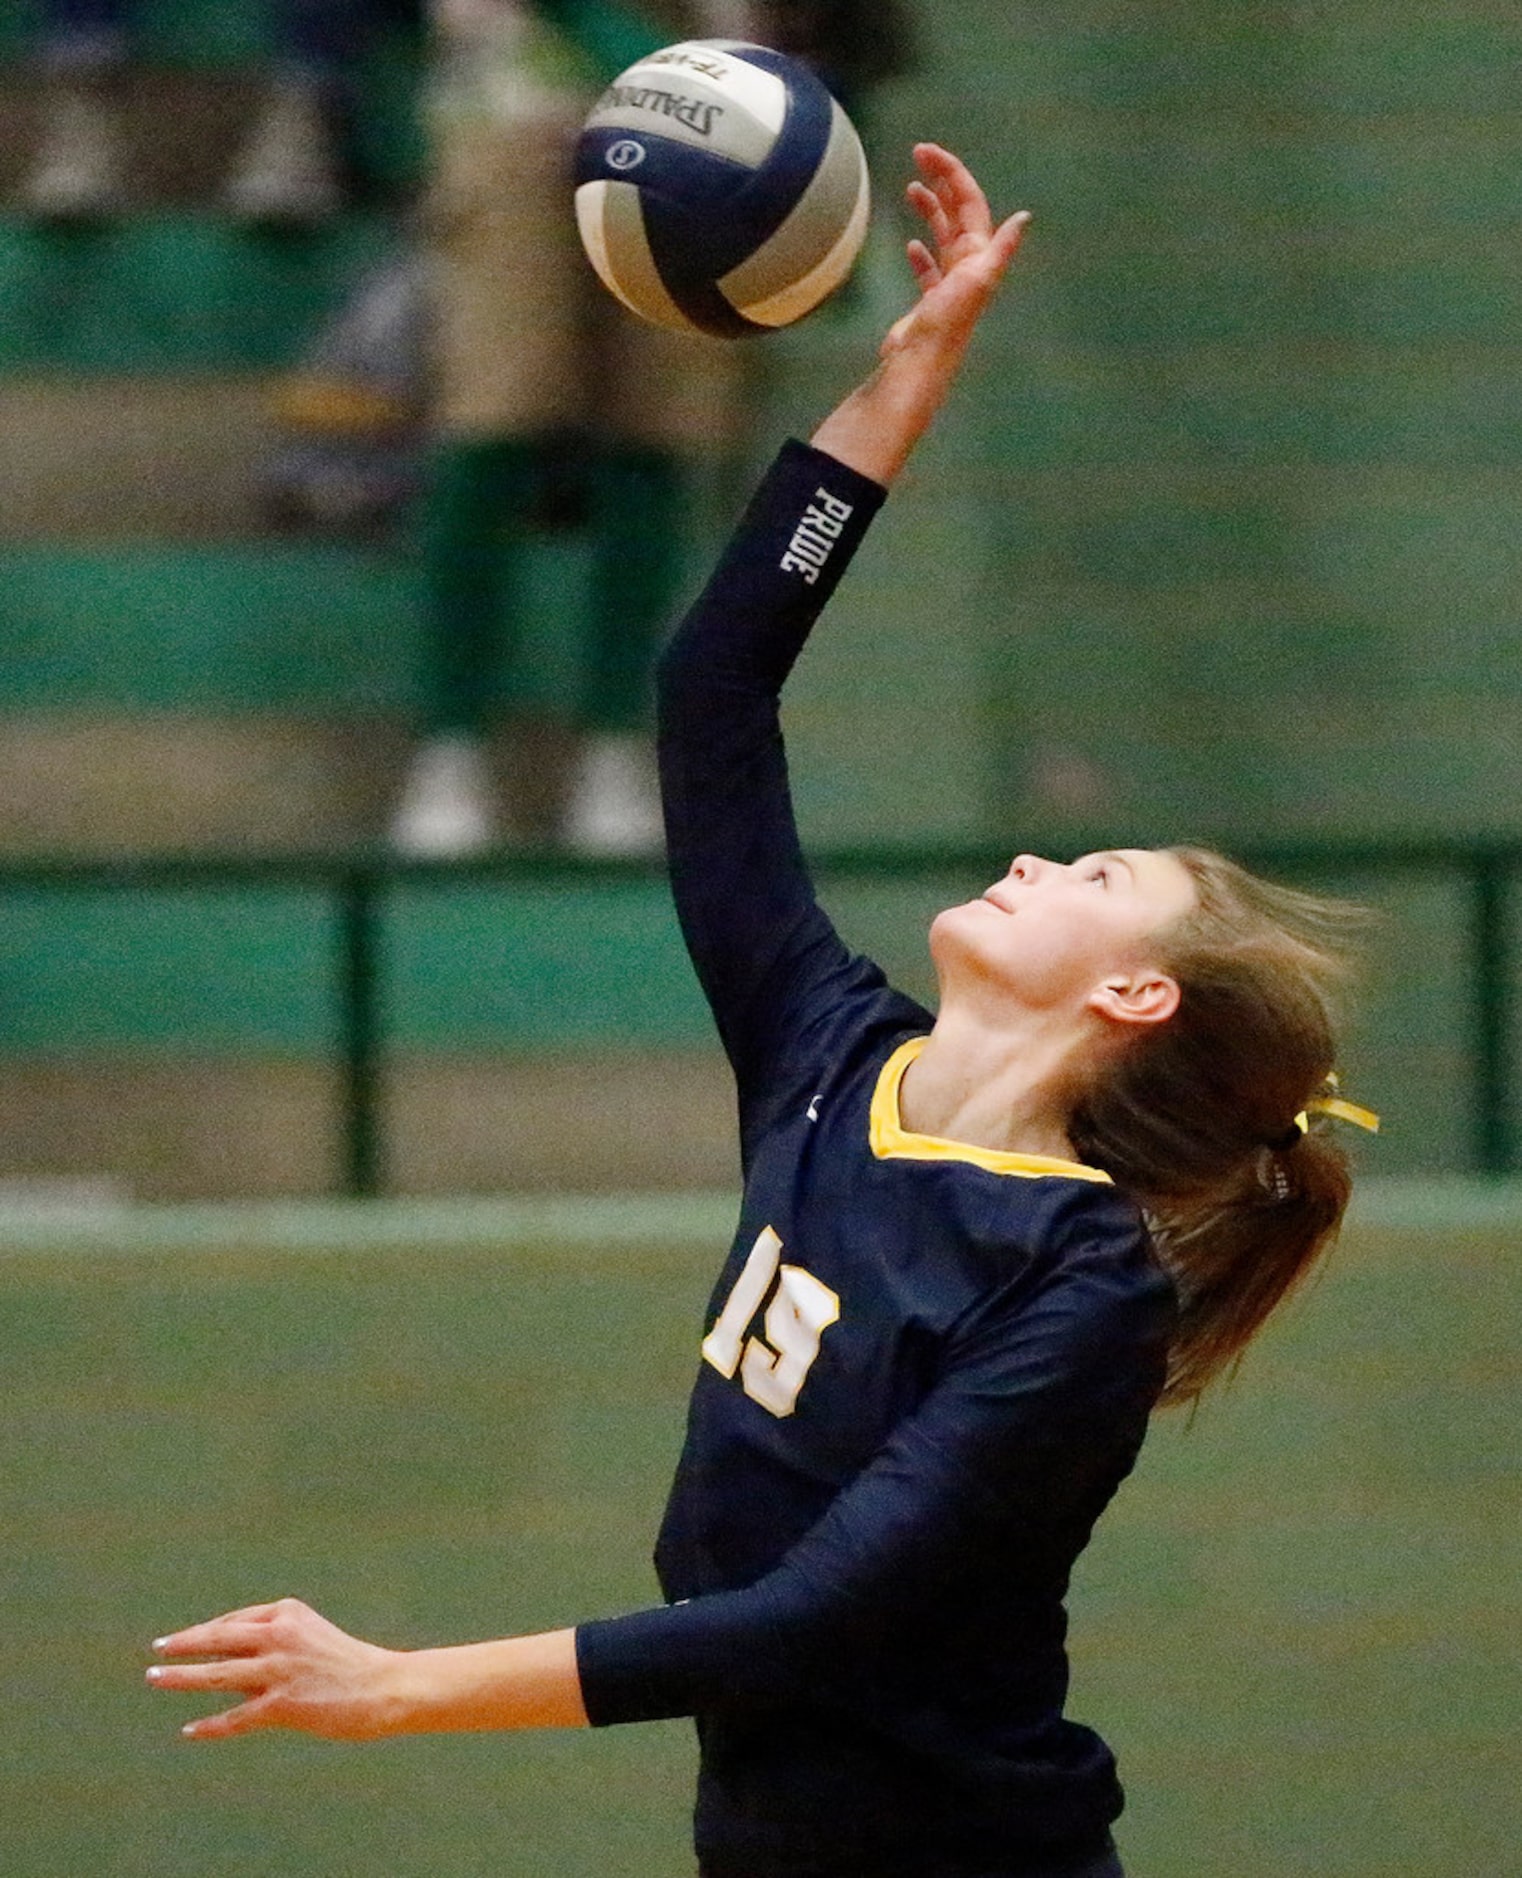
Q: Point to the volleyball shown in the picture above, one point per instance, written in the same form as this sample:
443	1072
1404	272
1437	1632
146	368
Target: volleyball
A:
720	189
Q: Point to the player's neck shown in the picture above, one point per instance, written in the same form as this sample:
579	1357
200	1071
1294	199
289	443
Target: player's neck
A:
1007	1089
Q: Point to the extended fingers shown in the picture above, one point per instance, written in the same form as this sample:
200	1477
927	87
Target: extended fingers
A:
928	206
246	1675
240	1633
243	1673
1008	236
251	1653
926	269
961	201
957	219
242	1720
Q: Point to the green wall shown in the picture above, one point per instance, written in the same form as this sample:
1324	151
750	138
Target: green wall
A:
1249	428
467	967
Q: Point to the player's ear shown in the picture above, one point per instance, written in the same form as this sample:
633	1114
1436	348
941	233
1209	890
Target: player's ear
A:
1144	996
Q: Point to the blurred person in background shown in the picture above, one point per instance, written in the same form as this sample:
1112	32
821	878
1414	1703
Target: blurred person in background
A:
551	405
290	168
352	414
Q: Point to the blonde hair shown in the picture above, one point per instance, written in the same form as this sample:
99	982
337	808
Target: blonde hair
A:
1197	1118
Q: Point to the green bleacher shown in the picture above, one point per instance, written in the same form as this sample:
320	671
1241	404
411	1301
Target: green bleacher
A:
1218	541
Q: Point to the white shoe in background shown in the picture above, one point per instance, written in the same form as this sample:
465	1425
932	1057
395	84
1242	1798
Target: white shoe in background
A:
78	171
288	169
615	802
445	810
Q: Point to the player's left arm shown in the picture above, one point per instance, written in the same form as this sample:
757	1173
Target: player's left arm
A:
1036	1400
1001	1470
1004	1447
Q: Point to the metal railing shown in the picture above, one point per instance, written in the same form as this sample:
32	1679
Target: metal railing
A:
358	885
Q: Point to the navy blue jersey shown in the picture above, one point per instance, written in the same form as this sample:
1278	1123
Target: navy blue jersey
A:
927	1366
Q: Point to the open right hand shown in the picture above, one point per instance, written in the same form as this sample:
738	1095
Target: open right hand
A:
958	267
962	263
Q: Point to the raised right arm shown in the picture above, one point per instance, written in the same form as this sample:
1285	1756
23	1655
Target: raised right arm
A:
758	940
760	944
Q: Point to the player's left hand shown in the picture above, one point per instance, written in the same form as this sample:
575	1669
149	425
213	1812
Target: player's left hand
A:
965	257
292	1668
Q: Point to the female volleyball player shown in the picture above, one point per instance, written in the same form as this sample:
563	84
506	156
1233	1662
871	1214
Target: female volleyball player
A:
974	1251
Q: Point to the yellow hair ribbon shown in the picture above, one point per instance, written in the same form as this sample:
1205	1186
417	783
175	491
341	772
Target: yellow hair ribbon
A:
1343	1111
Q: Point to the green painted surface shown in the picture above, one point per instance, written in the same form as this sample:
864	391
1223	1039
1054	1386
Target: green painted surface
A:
172	292
1294	1625
1248	418
563	967
597	965
193	972
296	627
261	627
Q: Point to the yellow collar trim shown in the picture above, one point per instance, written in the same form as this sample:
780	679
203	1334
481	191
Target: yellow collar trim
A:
892	1141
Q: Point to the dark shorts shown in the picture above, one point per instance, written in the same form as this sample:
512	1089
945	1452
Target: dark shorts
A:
1102	1864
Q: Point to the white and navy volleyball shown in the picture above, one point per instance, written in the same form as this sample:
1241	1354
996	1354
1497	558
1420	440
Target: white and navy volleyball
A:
720	189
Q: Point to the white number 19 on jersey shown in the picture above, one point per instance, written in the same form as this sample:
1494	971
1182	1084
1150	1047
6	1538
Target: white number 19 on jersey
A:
772	1368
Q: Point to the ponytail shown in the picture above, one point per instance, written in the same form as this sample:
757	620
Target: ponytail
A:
1237	1255
1204	1119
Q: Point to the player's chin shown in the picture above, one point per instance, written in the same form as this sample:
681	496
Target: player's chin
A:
953	918
962	929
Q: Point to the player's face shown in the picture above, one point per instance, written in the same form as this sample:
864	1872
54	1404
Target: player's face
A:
1051	931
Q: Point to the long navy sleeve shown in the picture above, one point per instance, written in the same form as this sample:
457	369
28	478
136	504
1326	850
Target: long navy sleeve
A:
1007	1458
761	945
